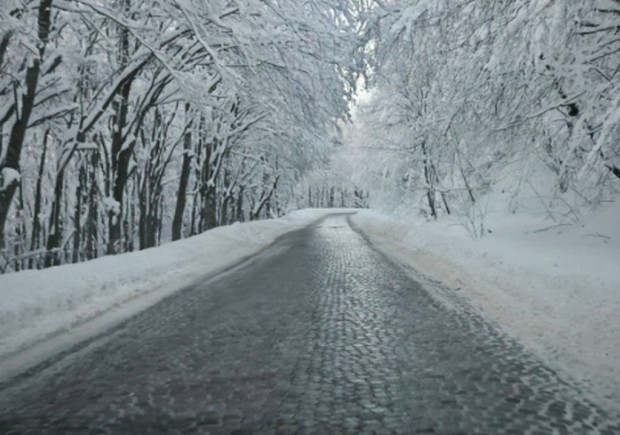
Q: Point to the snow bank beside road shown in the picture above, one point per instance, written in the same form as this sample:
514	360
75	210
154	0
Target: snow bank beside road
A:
35	305
553	288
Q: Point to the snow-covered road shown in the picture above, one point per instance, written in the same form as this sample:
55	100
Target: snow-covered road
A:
320	333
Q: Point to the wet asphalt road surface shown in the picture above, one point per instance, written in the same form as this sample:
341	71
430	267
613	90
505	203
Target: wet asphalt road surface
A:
320	334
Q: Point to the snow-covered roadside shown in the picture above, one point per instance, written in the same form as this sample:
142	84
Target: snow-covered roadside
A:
554	289
36	306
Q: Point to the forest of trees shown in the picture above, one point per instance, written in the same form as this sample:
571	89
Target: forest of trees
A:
467	93
125	123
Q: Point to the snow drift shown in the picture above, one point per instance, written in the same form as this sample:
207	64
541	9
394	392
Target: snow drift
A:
37	305
552	287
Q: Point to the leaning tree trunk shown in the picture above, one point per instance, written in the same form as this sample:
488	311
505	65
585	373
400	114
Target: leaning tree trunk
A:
18	131
264	199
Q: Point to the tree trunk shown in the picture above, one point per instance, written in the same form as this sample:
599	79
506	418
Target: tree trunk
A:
142	230
129	224
120	154
120	165
445	203
55	227
224	219
20	231
208	218
428	178
77	215
18	131
192	226
614	170
93	211
264	199
239	216
36	222
177	221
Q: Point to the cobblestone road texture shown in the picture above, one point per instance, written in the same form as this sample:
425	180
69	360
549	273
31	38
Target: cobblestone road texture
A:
321	334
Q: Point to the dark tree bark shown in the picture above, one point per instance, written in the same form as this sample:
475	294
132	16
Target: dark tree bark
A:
193	222
177	221
264	199
120	152
18	131
20	231
36	222
92	238
239	215
614	170
208	216
55	226
226	199
429	179
77	215
120	164
445	203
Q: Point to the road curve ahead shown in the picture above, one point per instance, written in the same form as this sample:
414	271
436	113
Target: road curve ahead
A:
320	334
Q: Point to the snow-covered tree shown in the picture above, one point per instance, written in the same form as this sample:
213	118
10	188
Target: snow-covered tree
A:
127	122
466	92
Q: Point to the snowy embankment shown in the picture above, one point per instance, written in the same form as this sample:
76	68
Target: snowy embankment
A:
38	306
555	289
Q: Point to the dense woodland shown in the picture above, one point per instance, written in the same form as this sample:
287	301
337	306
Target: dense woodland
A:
474	96
128	123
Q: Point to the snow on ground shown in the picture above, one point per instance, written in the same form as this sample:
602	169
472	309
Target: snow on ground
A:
38	306
554	288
